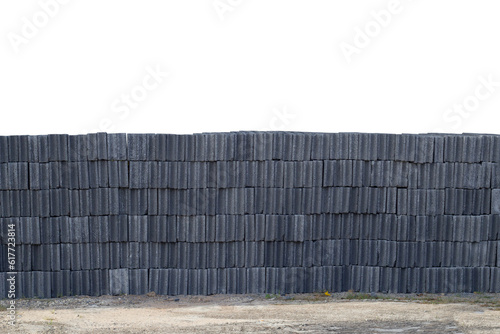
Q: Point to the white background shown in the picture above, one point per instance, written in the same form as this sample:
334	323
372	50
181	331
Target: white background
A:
249	65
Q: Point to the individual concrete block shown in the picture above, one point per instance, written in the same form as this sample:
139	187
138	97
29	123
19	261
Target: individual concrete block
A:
77	148
23	144
42	284
495	280
5	176
200	146
139	174
134	255
102	145
277	145
182	281
117	146
114	255
138	201
85	255
182	228
495	201
5	209
92	147
43	148
94	283
138	147
154	280
118	228
119	281
164	285
320	149
160	147
180	152
4	149
138	228
14	148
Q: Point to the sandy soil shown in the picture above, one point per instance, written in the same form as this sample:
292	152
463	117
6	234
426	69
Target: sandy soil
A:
311	313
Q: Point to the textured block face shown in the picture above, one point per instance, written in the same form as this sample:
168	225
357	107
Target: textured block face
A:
495	201
119	281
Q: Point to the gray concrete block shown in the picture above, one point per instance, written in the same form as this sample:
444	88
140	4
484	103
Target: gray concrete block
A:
32	149
182	281
200	146
155	234
138	228
76	256
210	148
412	176
85	255
114	255
180	150
212	251
5	208
92	146
437	175
320	149
495	280
118	228
77	148
24	203
182	226
339	145
5	176
101	145
152	204
15	203
116	146
495	201
138	147
139	174
133	255
364	146
138	201
4	149
100	255
167	229
166	283
160	147
42	284
438	149
256	280
299	150
494	230
424	152
155	251
43	148
14	148
490	148
119	281
99	201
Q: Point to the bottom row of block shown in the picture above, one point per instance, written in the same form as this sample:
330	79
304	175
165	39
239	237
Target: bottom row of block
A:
249	280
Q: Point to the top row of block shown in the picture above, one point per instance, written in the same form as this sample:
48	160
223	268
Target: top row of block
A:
288	146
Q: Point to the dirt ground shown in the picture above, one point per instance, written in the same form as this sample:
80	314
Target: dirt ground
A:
308	313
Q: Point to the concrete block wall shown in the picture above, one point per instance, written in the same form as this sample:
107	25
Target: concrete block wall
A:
250	212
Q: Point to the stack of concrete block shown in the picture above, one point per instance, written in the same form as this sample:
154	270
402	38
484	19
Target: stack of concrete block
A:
250	212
